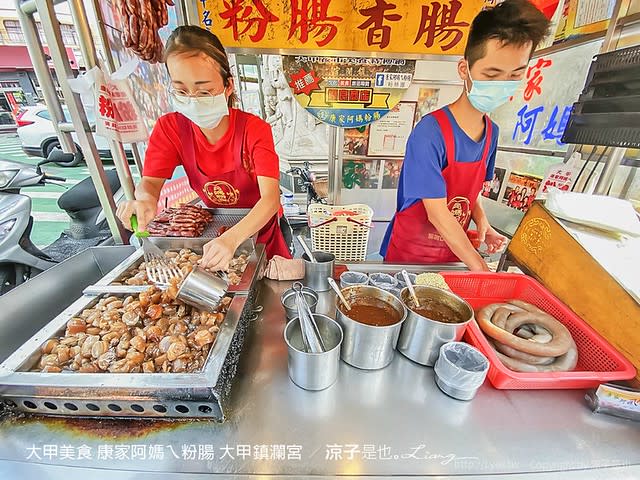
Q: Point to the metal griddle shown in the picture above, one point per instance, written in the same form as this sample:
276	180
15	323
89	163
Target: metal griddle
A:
247	281
159	395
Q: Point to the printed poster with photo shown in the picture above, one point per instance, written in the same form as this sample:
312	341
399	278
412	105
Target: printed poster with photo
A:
521	191
391	174
361	174
491	189
427	101
388	136
356	141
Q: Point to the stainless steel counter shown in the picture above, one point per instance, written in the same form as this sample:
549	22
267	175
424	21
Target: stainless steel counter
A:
392	422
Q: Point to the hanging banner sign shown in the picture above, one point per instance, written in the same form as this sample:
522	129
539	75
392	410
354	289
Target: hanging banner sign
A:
402	26
346	91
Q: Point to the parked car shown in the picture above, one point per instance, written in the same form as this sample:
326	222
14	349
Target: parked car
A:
7	122
38	136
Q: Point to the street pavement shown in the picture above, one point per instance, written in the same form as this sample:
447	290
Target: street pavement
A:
49	220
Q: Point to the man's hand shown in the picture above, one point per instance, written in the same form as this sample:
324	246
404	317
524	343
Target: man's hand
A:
218	253
145	210
493	240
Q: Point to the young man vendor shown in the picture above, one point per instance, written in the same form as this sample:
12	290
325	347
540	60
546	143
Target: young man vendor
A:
452	151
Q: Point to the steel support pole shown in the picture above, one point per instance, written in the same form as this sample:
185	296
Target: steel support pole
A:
190	12
90	55
609	171
43	74
111	63
336	137
85	137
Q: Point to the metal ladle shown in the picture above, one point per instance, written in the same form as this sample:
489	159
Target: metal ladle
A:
306	249
336	289
407	280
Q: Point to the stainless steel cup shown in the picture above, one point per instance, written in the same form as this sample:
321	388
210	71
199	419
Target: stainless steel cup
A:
289	301
421	337
365	346
315	274
460	370
202	289
314	371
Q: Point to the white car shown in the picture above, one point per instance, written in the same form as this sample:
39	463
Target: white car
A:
38	136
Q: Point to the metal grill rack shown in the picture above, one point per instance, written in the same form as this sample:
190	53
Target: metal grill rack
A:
160	395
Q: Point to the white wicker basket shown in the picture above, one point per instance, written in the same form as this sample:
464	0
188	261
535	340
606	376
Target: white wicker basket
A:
346	236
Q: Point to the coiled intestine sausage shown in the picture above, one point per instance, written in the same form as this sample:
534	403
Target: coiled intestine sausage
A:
518	355
561	338
563	363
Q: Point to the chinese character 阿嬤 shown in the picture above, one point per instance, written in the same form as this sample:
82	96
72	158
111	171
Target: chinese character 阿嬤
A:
526	123
555	128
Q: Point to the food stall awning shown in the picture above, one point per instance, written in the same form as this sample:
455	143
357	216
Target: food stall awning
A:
16	57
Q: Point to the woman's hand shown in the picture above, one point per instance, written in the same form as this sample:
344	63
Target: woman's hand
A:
492	239
145	210
218	253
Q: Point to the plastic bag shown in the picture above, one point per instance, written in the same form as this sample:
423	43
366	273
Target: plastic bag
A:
116	111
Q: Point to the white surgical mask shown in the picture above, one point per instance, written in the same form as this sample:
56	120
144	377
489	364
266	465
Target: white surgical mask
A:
487	95
206	112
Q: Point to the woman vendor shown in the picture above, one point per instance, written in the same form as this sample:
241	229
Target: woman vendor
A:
452	151
227	154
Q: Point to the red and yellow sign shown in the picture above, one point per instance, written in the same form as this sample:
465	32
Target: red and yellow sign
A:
395	26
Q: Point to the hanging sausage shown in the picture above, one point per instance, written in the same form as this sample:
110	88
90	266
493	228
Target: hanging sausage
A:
141	20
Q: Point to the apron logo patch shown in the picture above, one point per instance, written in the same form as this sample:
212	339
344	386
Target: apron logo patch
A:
221	193
461	209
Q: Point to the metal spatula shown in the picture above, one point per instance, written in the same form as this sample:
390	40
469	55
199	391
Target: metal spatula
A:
160	269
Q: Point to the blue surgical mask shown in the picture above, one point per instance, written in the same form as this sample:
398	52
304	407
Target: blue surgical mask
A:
487	95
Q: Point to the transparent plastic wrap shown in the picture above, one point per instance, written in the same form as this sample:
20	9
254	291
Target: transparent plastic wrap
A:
401	282
383	281
460	370
348	279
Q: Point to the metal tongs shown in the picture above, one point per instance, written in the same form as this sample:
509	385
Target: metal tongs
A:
311	337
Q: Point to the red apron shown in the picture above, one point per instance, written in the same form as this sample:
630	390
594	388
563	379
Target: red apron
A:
414	239
237	188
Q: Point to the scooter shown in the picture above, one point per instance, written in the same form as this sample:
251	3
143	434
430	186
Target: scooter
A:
308	180
20	259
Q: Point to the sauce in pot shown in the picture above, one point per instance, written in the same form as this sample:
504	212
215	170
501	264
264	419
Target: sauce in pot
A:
372	311
437	311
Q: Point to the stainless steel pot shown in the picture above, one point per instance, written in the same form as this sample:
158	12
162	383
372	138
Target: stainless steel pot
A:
366	346
422	337
314	371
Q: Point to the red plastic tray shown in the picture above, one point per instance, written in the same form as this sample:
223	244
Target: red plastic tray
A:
598	361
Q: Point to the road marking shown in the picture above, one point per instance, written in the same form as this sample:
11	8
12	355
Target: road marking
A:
50	217
50	195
